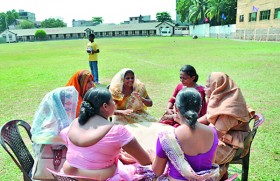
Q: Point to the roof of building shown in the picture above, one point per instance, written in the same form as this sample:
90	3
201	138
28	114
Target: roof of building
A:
97	28
49	31
125	27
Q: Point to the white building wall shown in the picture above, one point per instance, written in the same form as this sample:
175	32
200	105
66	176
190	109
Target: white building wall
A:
200	30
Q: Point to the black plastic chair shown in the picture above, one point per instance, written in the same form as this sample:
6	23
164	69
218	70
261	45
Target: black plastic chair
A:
10	135
239	157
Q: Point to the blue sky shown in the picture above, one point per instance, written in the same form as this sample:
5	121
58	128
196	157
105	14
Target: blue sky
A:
112	11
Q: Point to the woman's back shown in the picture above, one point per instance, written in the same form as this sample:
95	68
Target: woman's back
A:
102	154
198	145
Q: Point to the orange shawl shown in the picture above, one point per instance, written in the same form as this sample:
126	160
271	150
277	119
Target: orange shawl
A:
225	99
79	80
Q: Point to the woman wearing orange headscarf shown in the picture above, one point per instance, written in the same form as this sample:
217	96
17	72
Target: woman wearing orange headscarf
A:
228	112
82	80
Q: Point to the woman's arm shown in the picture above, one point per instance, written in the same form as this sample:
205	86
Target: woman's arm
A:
158	164
169	109
147	101
123	112
135	149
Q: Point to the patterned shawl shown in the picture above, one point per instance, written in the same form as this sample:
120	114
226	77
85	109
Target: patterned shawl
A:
55	112
79	81
131	102
176	156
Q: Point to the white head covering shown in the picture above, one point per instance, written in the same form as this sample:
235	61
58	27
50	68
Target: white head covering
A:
56	111
116	84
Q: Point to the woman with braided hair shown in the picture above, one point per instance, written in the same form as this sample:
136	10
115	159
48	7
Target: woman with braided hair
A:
189	149
94	143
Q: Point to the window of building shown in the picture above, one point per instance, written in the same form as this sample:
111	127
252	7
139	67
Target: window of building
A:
265	15
253	16
241	18
277	13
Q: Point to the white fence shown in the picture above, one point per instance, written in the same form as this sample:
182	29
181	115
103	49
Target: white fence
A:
204	30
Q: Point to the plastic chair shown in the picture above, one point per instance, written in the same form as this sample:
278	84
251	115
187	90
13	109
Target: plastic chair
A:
10	136
59	176
233	177
239	158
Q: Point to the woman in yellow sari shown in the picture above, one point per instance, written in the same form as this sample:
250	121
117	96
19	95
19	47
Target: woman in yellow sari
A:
131	98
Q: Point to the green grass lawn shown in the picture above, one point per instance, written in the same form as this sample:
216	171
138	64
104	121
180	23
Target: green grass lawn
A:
29	70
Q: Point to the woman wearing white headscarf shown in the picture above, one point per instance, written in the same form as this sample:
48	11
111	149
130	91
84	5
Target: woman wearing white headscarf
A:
56	111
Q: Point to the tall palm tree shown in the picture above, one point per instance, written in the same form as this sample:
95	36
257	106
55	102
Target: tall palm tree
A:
215	7
197	11
218	7
182	9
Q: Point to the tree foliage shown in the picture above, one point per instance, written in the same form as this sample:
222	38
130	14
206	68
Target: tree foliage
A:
163	16
97	20
7	19
196	11
40	34
52	23
25	24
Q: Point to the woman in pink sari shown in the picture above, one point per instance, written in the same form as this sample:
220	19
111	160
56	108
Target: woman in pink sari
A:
94	143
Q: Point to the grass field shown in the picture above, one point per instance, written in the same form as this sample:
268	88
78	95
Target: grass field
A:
29	70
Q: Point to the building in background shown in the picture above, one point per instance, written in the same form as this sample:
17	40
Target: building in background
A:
27	15
79	23
258	20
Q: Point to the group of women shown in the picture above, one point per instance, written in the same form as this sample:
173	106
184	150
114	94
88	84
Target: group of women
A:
201	128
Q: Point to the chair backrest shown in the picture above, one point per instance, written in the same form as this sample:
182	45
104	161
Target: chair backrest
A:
258	120
242	156
10	136
59	176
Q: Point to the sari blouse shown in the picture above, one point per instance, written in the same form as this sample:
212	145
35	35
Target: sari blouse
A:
101	155
200	89
198	163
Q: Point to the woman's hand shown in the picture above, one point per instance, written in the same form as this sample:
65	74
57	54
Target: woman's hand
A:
169	111
127	111
126	158
123	112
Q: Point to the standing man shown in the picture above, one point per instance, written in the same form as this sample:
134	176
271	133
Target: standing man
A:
92	50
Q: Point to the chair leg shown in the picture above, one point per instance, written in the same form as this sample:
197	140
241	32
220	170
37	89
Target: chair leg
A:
245	167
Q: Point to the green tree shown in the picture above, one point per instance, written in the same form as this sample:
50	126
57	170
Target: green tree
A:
218	7
182	9
40	34
163	16
25	24
97	20
7	19
197	11
52	23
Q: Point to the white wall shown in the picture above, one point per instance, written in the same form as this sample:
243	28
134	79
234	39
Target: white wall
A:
205	30
200	30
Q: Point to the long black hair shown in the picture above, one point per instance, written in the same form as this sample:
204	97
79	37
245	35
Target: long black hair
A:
92	102
188	102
